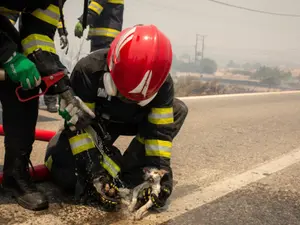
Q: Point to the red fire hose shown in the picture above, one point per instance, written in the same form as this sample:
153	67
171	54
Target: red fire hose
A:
40	172
40	135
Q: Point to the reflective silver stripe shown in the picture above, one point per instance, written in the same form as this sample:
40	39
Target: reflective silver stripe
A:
159	116
79	143
110	167
103	32
49	13
38	42
158	148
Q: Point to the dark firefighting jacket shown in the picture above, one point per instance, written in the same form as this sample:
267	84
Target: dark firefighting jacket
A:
39	24
155	121
105	18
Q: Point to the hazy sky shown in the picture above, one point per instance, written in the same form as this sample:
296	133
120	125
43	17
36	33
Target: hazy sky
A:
231	33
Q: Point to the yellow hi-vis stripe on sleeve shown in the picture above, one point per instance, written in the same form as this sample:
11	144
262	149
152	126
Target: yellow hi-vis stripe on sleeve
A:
49	162
158	148
161	116
140	139
110	166
59	25
107	32
91	106
36	41
81	143
96	7
50	15
7	12
12	21
116	2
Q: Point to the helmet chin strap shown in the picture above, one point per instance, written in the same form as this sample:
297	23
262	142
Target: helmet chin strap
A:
111	89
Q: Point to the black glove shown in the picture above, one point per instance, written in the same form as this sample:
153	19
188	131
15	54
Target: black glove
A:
108	193
165	192
158	201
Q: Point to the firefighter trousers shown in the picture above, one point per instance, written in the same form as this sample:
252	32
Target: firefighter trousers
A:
19	120
60	161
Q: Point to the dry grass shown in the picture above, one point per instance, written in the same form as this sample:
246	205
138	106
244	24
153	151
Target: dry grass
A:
191	86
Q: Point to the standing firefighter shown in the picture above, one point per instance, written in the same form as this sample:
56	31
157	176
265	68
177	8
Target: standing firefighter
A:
105	18
50	100
26	56
129	88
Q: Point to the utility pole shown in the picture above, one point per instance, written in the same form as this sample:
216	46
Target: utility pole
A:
196	46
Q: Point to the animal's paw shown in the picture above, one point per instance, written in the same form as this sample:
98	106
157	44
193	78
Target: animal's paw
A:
131	207
138	215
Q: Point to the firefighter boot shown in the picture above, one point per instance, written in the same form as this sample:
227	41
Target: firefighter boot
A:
18	182
50	101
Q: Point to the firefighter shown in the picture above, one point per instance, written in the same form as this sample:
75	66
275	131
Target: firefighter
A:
129	88
50	100
25	56
105	18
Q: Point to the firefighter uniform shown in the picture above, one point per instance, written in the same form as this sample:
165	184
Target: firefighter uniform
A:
105	18
39	23
154	126
50	100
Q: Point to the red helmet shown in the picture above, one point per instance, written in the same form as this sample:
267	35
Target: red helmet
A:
139	61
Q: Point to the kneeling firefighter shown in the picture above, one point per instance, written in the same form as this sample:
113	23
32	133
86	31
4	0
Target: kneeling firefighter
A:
25	57
129	88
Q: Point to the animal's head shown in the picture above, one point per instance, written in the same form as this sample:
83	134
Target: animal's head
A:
154	175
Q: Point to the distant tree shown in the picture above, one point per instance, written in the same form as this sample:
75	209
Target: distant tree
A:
208	66
232	64
271	76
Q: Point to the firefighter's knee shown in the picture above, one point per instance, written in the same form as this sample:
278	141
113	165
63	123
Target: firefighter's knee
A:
60	162
180	114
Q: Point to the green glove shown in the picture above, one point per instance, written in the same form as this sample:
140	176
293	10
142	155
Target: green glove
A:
78	30
21	69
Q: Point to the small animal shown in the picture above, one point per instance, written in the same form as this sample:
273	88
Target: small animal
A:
152	179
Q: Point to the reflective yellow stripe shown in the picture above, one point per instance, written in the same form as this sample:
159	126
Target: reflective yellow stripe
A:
108	32
59	25
158	148
49	162
110	166
12	21
50	15
161	116
90	105
5	11
140	139
116	1
35	41
96	7
81	143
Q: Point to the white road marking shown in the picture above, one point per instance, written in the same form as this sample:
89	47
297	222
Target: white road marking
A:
239	95
221	188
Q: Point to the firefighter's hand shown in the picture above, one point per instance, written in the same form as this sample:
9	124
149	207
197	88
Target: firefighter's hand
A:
108	193
78	32
63	41
76	114
21	69
158	201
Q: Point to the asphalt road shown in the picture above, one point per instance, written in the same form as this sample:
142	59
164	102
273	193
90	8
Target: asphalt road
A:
236	161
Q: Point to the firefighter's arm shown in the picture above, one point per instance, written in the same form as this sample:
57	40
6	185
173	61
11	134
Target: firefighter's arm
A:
7	45
94	10
157	138
37	38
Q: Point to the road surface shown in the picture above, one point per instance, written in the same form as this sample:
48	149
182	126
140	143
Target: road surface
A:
236	161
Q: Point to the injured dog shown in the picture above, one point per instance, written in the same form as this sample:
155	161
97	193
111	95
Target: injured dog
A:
152	179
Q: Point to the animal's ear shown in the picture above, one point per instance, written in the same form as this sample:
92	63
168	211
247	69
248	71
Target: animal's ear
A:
146	169
162	172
